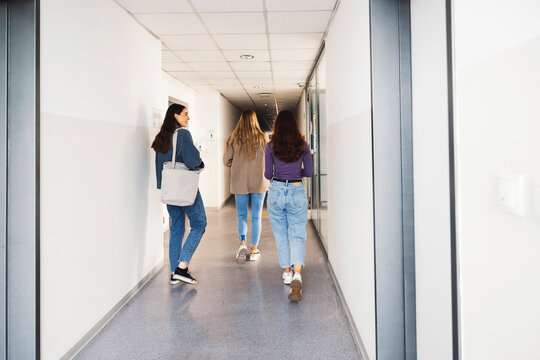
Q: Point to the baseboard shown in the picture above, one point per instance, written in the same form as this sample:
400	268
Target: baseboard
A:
352	325
222	204
356	335
108	317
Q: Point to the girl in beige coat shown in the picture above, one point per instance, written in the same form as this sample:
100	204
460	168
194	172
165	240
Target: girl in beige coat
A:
245	156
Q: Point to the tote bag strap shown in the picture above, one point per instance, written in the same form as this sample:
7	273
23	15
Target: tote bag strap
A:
175	136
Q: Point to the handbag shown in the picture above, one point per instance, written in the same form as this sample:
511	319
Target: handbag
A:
179	184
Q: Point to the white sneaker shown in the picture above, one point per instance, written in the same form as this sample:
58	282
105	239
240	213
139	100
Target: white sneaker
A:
296	282
254	255
241	253
287	277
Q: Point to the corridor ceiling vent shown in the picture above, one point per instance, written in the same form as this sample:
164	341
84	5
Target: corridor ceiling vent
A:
247	57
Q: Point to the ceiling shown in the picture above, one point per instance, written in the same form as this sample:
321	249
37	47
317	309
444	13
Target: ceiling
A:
202	41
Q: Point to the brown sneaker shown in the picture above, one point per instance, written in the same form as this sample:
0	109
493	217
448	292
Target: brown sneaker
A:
295	294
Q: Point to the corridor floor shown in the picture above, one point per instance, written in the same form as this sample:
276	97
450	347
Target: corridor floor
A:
235	311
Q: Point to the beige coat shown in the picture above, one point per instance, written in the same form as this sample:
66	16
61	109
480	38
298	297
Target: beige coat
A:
247	176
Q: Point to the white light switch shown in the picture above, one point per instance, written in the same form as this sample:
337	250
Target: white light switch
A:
510	193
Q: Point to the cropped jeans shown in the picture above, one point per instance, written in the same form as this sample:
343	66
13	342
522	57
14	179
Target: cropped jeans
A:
257	201
197	223
287	209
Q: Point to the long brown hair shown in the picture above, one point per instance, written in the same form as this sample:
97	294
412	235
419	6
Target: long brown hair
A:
248	135
287	142
162	141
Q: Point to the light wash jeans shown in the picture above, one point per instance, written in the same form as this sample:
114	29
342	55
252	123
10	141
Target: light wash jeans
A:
257	201
287	209
197	223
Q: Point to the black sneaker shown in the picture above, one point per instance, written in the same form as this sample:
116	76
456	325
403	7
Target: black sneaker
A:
173	280
183	275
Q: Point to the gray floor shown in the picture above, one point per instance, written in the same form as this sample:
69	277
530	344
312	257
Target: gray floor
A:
235	312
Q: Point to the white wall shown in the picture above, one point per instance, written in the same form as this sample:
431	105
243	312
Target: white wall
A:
100	212
350	199
498	122
229	116
301	115
215	114
431	180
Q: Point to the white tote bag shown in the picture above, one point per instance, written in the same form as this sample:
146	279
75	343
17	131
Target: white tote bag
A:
179	184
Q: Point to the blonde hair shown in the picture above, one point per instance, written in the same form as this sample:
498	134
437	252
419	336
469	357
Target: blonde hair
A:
248	135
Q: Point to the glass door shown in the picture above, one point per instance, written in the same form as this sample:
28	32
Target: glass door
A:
313	116
321	153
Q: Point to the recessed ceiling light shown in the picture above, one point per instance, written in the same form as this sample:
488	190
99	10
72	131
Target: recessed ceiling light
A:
247	57
258	87
264	94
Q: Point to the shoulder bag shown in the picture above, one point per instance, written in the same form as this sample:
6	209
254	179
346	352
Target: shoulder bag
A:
179	184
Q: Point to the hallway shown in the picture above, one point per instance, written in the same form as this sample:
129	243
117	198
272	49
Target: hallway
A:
235	312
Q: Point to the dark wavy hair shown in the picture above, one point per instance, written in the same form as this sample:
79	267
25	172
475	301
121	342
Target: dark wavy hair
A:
287	142
162	141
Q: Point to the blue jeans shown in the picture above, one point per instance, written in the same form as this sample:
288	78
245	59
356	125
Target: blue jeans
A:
287	209
257	201
197	223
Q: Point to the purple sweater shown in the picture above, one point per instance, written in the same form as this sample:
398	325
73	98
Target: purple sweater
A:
273	167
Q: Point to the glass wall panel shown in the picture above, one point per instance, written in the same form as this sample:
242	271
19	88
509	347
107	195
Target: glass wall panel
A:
316	103
323	168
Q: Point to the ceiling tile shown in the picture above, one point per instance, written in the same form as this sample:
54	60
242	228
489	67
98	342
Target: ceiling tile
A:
193	82
294	55
299	5
223	81
296	41
202	87
298	22
268	88
251	66
216	74
242	41
264	82
171	24
286	85
175	66
156	6
236	94
227	87
168	56
254	75
227	6
184	74
209	66
293	74
234	23
291	65
188	42
200	55
234	55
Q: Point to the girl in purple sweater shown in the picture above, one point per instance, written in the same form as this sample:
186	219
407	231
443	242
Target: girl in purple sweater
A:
287	202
